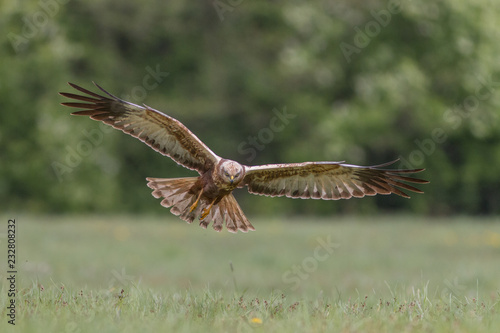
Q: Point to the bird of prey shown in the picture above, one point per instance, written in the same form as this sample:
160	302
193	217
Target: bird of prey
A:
209	197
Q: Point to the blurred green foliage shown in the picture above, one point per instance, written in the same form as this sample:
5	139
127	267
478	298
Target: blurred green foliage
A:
362	81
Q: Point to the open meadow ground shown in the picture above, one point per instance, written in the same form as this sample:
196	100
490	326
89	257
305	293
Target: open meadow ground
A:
352	274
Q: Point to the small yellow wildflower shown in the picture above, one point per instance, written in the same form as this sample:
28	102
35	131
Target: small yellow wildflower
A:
493	239
256	320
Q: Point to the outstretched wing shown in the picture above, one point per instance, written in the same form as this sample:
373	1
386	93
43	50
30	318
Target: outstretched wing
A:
163	133
328	180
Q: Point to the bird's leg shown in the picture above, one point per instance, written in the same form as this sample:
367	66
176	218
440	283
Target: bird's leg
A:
195	204
207	210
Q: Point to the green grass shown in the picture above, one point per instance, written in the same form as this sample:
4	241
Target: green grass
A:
145	274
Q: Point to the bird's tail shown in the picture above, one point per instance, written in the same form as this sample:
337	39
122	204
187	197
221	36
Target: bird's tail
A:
228	211
177	193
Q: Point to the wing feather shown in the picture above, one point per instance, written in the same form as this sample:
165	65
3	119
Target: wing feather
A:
329	180
163	133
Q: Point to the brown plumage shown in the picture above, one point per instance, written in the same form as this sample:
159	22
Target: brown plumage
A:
208	197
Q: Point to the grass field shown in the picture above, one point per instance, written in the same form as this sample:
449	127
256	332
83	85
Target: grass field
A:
352	274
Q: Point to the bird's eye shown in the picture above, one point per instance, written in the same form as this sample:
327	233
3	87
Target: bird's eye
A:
227	174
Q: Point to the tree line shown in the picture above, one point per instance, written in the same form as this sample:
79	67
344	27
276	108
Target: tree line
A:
259	83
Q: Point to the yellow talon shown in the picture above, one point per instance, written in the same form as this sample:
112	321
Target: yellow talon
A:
195	204
207	210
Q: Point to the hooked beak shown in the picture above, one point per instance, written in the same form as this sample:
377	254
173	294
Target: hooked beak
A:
232	179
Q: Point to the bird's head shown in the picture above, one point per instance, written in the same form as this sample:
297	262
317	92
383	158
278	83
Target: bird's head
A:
231	172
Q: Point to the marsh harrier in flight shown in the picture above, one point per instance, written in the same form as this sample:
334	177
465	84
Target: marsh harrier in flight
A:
208	196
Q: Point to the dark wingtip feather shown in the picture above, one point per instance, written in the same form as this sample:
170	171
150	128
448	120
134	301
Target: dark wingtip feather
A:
400	193
84	113
384	164
108	93
79	105
404	170
83	90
